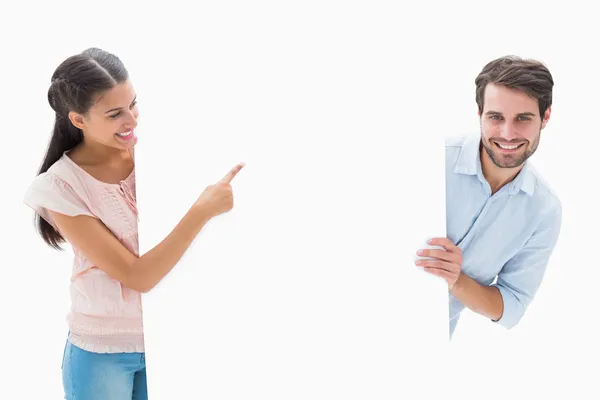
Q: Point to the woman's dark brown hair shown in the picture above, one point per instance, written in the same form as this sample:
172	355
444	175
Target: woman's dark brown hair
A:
75	85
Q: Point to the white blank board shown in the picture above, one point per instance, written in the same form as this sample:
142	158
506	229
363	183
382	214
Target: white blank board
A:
307	289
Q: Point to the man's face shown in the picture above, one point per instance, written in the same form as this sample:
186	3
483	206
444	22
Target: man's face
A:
510	125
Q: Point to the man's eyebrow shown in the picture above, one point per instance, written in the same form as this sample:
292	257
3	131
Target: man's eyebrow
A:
523	114
118	108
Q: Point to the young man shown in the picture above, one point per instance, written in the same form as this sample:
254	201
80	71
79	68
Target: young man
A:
503	220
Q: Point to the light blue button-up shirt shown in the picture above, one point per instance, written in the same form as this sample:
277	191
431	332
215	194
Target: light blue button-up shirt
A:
509	235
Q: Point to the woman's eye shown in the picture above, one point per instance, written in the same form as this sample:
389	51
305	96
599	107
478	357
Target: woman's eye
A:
119	113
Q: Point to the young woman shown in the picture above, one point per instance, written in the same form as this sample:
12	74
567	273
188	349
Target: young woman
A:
84	194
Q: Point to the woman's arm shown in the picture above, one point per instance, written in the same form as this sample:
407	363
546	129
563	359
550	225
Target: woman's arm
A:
97	243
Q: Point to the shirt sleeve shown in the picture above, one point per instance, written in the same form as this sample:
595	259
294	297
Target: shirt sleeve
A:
521	276
50	193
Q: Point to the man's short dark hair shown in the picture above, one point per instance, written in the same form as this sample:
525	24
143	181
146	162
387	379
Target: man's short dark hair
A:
530	76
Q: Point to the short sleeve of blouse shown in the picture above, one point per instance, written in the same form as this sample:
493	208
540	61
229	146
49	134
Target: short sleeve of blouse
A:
50	193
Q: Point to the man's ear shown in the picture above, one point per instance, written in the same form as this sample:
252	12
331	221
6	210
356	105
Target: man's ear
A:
546	116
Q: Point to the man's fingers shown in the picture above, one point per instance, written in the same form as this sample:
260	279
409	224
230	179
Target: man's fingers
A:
439	272
439	254
445	243
231	174
437	264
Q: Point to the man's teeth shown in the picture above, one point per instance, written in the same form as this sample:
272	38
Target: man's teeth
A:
507	147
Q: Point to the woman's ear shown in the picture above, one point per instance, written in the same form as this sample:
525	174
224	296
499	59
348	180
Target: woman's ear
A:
76	119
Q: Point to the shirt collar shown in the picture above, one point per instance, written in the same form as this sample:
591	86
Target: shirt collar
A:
469	163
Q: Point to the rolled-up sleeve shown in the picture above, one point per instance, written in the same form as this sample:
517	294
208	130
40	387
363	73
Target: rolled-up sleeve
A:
521	276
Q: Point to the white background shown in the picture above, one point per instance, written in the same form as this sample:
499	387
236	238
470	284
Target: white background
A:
308	289
444	48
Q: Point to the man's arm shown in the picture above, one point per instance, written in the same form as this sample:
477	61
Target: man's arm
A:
505	301
481	299
521	277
